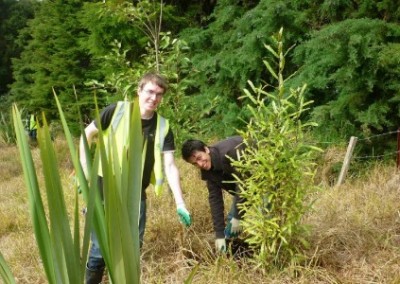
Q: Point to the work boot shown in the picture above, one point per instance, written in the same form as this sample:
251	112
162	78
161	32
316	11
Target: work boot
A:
93	276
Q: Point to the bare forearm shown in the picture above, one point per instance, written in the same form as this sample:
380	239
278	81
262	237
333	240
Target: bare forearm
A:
174	183
172	174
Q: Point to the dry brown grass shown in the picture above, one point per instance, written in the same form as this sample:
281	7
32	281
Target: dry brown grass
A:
356	229
17	242
354	239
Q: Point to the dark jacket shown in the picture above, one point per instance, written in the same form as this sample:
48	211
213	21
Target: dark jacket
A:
220	177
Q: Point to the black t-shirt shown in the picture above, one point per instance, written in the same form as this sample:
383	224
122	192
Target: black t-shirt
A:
149	132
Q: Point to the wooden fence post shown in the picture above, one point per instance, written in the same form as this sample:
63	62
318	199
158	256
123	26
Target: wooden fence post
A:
398	149
346	161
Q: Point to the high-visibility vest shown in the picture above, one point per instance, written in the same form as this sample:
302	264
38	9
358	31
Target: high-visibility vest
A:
119	125
32	123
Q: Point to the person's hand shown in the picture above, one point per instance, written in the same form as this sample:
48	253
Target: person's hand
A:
236	227
220	245
184	216
233	229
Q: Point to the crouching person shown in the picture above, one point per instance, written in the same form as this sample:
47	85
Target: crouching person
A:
215	164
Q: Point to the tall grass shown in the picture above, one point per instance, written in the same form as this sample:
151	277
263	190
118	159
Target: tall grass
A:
7	134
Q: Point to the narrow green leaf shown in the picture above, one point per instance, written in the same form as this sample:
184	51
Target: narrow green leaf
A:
100	224
38	215
136	154
192	274
55	201
271	50
5	271
271	71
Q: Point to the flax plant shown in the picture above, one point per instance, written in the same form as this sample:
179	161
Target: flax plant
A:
121	203
115	221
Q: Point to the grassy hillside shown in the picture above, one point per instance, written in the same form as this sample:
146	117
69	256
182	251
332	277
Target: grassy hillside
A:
355	232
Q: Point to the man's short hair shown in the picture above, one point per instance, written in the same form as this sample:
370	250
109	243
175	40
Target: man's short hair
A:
190	146
155	78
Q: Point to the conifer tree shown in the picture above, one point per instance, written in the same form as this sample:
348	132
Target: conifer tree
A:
51	58
352	70
13	17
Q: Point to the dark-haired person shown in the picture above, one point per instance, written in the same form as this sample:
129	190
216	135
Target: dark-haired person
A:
215	164
160	150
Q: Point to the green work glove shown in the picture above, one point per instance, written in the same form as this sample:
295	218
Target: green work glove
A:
220	245
184	216
233	229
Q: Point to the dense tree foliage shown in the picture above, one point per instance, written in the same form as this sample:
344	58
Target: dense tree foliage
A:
351	68
229	51
347	52
52	58
13	17
82	49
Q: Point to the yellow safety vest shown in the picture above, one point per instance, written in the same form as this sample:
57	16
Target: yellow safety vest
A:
120	126
32	123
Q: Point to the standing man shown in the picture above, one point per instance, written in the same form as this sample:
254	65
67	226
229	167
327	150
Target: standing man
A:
215	163
151	90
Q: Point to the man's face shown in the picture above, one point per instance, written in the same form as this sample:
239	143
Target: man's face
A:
201	159
150	97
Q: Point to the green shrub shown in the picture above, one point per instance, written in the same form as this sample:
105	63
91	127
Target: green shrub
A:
278	169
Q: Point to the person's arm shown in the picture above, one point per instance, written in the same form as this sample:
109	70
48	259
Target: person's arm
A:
216	200
172	173
90	131
234	228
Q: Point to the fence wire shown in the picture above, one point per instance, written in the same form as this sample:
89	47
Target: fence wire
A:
369	138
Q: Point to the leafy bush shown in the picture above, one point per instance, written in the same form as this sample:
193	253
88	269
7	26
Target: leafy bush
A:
278	169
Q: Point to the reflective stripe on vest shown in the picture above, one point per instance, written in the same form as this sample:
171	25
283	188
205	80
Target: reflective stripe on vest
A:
120	126
161	132
118	113
32	123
